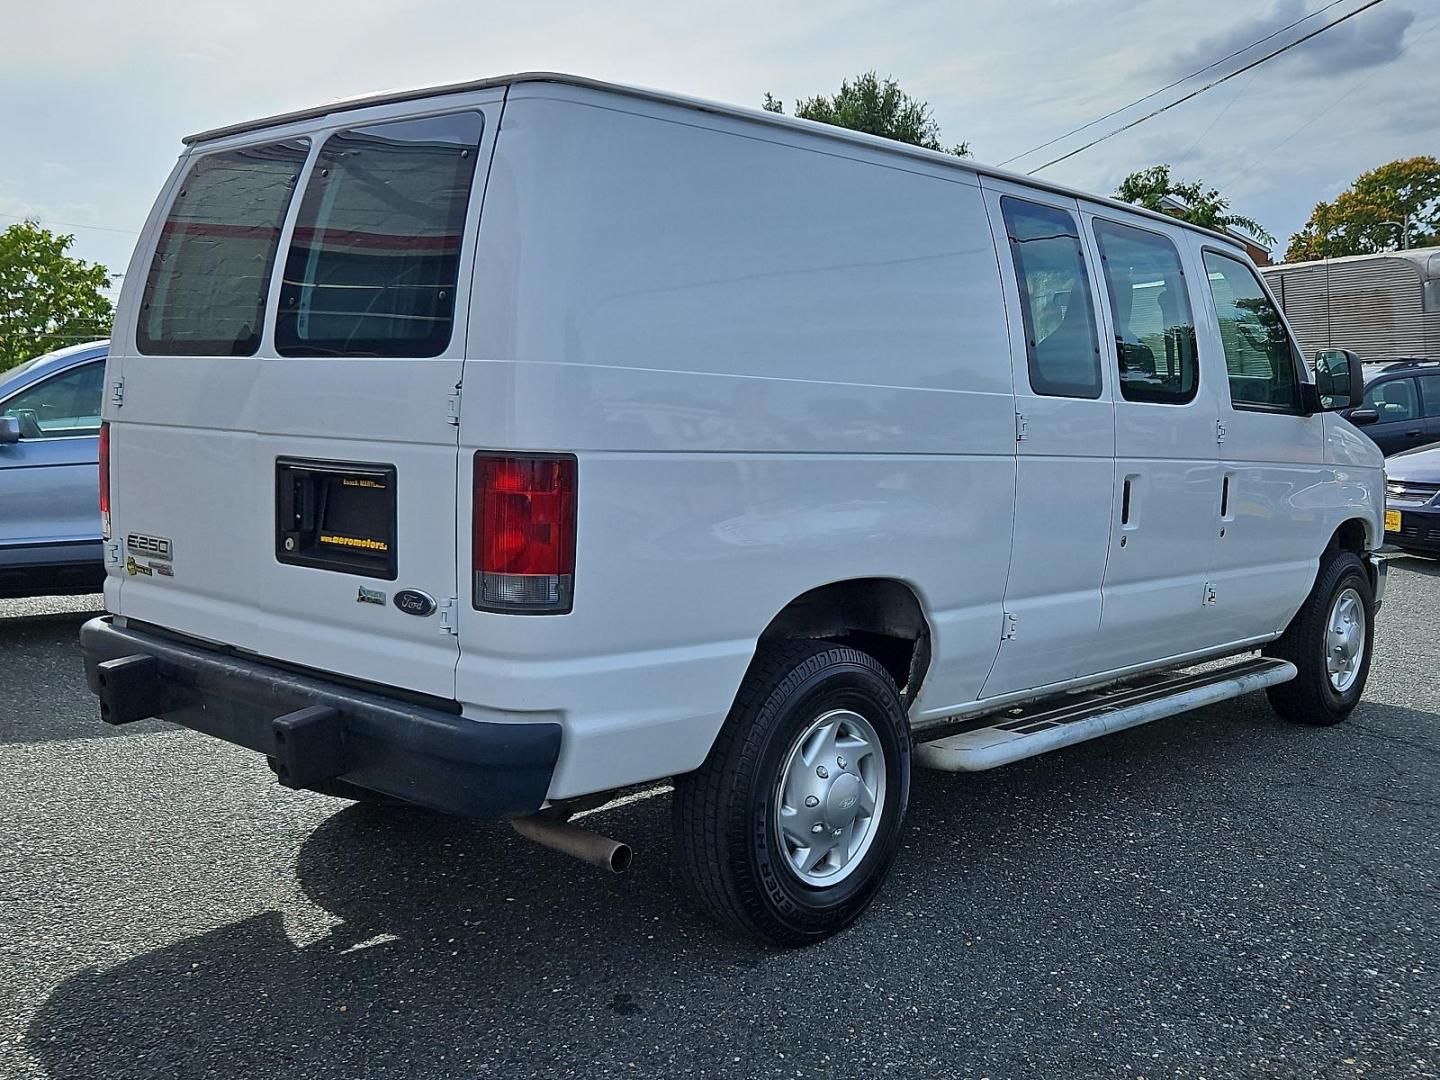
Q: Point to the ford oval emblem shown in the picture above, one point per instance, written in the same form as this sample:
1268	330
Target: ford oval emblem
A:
415	602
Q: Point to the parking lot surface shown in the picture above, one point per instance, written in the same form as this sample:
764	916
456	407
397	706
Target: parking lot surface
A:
1218	894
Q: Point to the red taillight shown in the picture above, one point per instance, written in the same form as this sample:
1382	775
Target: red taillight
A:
523	550
105	479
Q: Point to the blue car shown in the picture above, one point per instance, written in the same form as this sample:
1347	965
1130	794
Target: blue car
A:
49	473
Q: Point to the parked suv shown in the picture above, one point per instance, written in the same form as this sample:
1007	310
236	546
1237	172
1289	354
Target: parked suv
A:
1404	396
495	467
49	450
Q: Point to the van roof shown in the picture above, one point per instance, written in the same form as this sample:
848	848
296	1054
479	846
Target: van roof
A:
811	127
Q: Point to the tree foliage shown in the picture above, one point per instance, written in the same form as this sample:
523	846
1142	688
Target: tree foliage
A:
47	298
1201	205
876	106
1370	214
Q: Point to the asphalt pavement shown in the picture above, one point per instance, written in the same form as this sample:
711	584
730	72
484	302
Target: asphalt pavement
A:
1217	895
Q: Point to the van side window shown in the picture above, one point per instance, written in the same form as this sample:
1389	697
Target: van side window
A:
206	288
1061	343
1393	399
375	258
1150	305
1259	356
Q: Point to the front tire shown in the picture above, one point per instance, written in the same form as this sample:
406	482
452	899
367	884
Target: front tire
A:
788	829
1330	642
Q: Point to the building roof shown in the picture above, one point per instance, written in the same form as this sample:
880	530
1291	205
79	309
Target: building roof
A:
1177	203
810	127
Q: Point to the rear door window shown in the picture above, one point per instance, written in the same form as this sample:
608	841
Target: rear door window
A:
1430	393
1150	305
1062	347
1393	399
375	257
206	288
1261	360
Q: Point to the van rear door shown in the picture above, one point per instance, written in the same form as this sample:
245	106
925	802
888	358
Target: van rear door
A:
284	454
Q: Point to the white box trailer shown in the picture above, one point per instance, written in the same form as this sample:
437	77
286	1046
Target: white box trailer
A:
1384	307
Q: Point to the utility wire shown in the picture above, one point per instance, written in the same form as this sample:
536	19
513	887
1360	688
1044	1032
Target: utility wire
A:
68	224
1171	86
1208	86
1218	117
1333	102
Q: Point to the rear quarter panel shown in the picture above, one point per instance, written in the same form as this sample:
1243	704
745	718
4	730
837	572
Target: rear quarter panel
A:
778	366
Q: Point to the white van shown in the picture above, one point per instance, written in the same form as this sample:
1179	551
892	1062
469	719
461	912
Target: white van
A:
499	446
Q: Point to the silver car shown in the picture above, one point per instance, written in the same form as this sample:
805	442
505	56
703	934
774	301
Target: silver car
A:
49	473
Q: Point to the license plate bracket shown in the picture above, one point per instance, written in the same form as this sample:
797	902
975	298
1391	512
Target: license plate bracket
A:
336	515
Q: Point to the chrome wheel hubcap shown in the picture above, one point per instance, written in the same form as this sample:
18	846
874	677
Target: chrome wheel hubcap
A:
1345	640
830	797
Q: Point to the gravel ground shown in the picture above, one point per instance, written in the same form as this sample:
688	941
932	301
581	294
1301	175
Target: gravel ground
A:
1215	895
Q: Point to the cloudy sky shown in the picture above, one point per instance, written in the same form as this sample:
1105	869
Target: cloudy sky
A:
94	96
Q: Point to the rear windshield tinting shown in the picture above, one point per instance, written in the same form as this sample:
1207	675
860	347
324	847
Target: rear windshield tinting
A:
373	264
206	289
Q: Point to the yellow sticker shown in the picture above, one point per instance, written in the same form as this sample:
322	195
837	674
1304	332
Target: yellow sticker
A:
354	541
1392	521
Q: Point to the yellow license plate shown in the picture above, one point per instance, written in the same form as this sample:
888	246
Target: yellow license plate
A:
1392	521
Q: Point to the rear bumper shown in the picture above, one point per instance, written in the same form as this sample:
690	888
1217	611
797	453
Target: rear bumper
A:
313	730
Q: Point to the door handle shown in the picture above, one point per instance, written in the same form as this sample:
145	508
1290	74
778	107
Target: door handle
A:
1125	504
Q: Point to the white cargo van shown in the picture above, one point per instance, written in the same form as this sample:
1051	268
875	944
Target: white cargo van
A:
499	446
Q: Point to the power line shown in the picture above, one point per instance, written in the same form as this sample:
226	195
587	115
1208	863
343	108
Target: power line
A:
1333	102
1171	86
68	224
1218	117
1208	86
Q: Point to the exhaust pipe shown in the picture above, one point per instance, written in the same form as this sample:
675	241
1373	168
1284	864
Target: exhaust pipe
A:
579	843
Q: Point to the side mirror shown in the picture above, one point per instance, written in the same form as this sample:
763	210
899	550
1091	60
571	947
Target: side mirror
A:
1339	379
9	429
1361	417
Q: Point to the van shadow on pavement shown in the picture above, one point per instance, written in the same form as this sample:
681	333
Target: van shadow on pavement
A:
1076	900
43	696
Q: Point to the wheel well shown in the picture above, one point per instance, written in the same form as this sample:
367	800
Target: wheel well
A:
1350	536
879	616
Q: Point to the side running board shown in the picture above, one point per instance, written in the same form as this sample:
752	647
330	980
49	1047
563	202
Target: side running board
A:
986	742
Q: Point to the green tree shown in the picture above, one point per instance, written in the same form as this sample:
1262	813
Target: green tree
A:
876	106
1370	215
47	298
1197	204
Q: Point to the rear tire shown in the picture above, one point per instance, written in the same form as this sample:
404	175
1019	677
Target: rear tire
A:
788	829
1330	642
